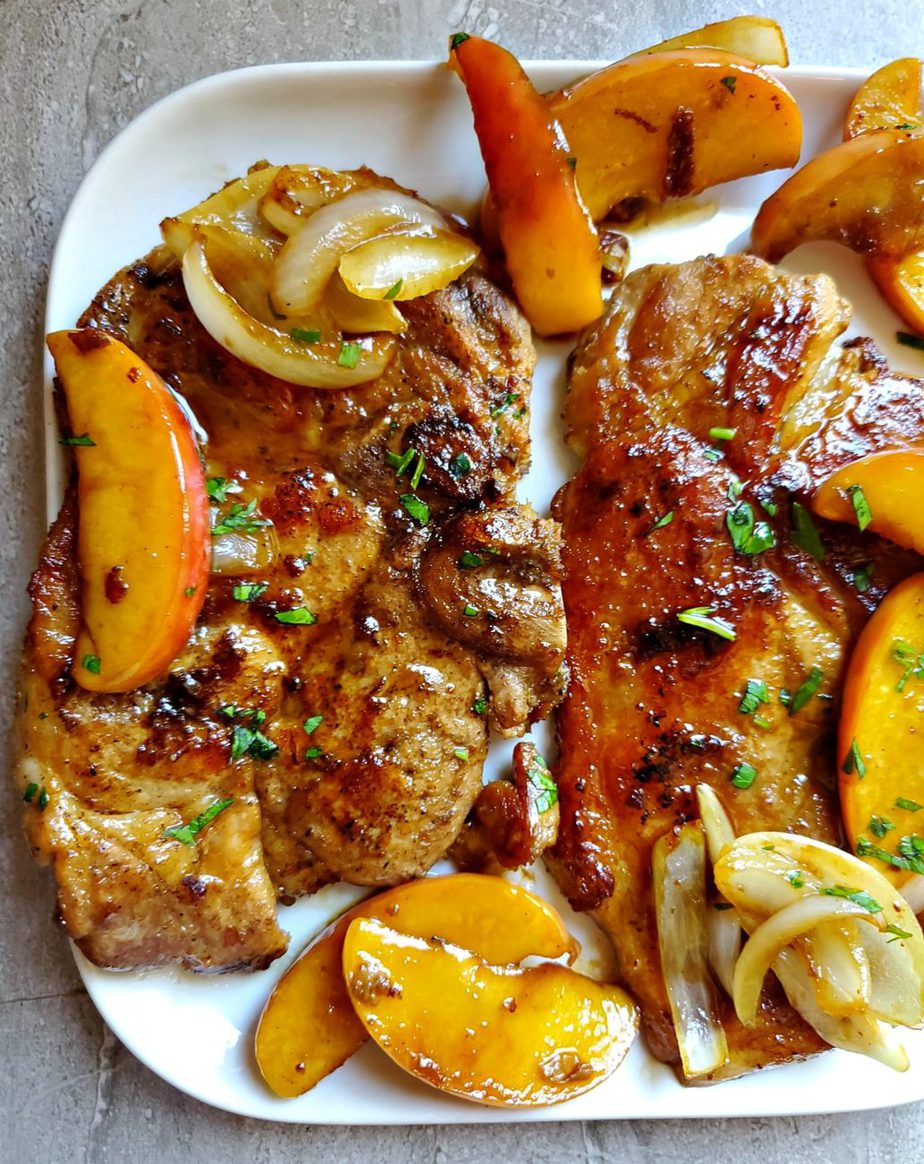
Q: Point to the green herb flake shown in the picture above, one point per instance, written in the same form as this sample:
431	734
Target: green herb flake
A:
418	472
308	335
540	779
460	753
908	805
29	795
897	931
729	83
795	879
298	616
857	896
460	465
470	611
457	39
262	748
393	290
312	724
862	577
248	591
480	706
187	832
722	434
748	536
744	775
908	859
218	489
806	690
910	340
713	455
662	522
349	354
804	532
189	591
761	722
853	762
861	509
770	508
880	825
313	752
416	509
509	398
910	660
84	441
43	798
239	519
701	617
91	663
756	692
469	561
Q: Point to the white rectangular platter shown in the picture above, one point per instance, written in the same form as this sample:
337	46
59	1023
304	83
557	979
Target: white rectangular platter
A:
412	122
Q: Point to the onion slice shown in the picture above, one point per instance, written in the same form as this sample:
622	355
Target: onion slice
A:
296	192
715	822
311	256
312	365
679	874
405	266
782	928
235	205
350	313
843	982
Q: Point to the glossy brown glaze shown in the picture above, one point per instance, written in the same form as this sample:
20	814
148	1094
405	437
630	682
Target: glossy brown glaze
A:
653	707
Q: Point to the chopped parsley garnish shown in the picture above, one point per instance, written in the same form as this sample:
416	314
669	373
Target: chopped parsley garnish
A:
457	39
248	591
880	825
460	753
312	724
418	472
857	896
804	532
701	617
729	83
416	509
91	663
189	591
312	753
83	441
29	795
392	292
540	779
256	715
909	856
460	465
795	879
307	335
470	611
806	690
910	340
248	741
770	508
43	798
713	454
744	775
908	805
910	660
239	519
722	434
748	536
853	762
187	832
755	693
349	354
480	706
663	521
898	932
862	577
218	488
860	505
469	561
298	616
400	464
509	398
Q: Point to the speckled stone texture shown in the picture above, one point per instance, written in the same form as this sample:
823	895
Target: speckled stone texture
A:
72	73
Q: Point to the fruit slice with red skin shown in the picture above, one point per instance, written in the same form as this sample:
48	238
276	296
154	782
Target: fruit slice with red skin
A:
308	1026
143	541
548	237
891	484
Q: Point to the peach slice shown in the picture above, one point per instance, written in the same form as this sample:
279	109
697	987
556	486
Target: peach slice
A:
881	492
864	193
548	238
497	1035
675	123
143	520
889	99
308	1026
756	37
880	745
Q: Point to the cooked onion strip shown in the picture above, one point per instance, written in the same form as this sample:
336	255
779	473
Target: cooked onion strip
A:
843	984
679	873
782	928
361	316
715	822
235	205
311	256
913	892
724	946
296	192
405	266
311	365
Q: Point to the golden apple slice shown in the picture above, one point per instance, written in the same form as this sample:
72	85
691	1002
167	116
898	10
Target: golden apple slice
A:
881	492
880	746
889	99
675	123
143	518
865	193
901	284
495	1035
758	38
308	1027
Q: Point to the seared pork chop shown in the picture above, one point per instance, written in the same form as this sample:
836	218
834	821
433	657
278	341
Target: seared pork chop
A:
654	703
371	723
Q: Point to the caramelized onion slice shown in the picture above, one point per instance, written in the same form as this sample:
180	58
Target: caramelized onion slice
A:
679	874
242	263
843	983
296	192
312	365
235	205
405	266
715	822
361	316
244	553
312	254
774	935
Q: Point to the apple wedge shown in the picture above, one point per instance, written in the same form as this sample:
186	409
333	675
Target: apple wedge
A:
308	1026
143	539
881	492
492	1034
889	99
675	123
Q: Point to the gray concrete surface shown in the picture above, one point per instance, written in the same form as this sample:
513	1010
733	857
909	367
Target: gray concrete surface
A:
73	72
